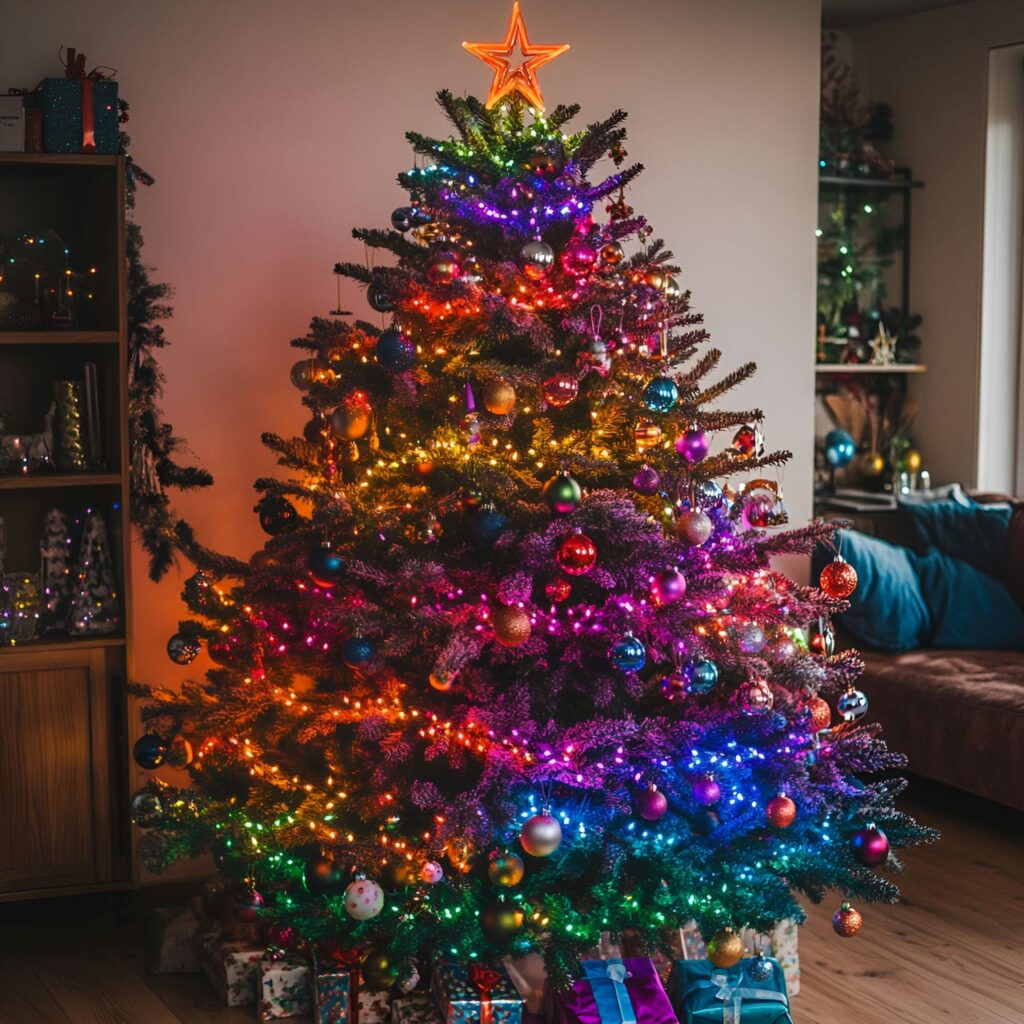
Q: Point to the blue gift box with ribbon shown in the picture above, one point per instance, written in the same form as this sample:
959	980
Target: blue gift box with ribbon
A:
614	992
705	994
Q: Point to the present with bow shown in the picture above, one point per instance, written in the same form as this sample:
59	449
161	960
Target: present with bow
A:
417	1008
743	994
614	991
284	985
475	994
80	111
230	965
339	995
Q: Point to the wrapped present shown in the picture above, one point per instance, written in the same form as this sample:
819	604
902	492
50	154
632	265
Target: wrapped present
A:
285	986
80	112
418	1008
475	994
780	943
614	991
170	940
231	966
339	996
705	994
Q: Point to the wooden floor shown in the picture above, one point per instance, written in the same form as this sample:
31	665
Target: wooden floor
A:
953	951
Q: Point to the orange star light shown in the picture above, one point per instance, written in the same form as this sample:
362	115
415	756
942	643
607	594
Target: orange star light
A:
521	78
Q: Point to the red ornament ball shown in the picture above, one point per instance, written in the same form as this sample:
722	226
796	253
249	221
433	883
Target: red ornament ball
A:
821	713
281	935
222	650
246	904
668	587
651	804
838	579
443	268
846	921
558	590
781	811
561	389
578	257
870	846
577	554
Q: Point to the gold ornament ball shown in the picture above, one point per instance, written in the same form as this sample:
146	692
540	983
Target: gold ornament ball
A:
351	420
379	972
505	868
501	921
499	397
872	465
911	461
781	811
511	626
846	921
725	949
647	435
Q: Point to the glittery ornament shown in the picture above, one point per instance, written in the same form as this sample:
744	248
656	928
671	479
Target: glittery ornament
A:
326	567
442	268
709	494
562	494
755	697
647	435
821	713
471	428
511	626
750	638
651	804
183	650
538	258
357	651
612	254
324	877
499	397
558	590
431	873
364	899
673	686
395	351
426	529
541	835
223	650
707	792
725	949
147	808
781	811
838	579
150	751
660	395
277	515
577	554
853	704
757	511
577	257
759	968
748	442
488	524
351	420
561	389
667	587
870	846
646	481
505	868
840	448
694	527
701	676
500	921
628	654
692	446
246	904
846	921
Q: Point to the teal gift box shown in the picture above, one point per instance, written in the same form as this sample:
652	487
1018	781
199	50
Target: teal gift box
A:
80	115
705	994
475	994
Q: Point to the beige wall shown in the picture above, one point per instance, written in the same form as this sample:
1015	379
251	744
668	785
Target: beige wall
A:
273	128
933	69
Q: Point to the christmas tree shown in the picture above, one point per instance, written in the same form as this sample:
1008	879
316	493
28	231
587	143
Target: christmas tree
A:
518	669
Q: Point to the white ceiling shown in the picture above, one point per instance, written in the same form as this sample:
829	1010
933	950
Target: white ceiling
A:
847	13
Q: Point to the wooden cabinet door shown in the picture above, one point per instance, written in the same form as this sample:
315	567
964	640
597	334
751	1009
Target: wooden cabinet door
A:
56	781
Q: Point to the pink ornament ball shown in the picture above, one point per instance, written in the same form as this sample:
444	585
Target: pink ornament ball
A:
692	446
668	587
578	257
870	846
651	804
646	481
431	873
707	792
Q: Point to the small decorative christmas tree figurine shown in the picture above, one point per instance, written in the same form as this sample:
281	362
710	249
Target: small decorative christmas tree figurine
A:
55	552
95	607
521	672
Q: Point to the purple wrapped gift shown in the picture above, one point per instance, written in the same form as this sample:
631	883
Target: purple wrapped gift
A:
614	992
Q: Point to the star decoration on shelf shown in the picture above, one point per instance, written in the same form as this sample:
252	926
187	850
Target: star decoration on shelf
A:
510	76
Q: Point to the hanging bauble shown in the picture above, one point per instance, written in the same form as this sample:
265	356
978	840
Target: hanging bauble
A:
378	971
821	713
707	792
512	626
179	752
500	921
577	257
694	527
708	494
628	654
692	446
316	429
431	873
150	751
505	868
460	852
755	697
307	372
701	676
839	448
364	899
425	529
403	218
538	258
443	268
442	679
673	686
222	649
281	935
577	554
183	650
910	461
324	877
562	494
872	465
661	395
246	904
378	298
823	641
838	578
853	704
846	921
351	420
870	846
395	351
357	651
326	566
541	835
725	949
277	514
499	397
646	480
596	354
471	428
759	967
612	254
561	389
147	808
671	288
647	435
488	524
748	442
750	638
544	161
651	804
781	811
558	590
667	587
472	495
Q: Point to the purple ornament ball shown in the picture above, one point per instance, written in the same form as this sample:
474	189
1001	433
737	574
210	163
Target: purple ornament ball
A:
692	446
870	846
668	587
651	804
707	792
646	481
578	257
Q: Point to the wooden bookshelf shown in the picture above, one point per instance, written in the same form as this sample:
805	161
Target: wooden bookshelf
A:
42	480
59	338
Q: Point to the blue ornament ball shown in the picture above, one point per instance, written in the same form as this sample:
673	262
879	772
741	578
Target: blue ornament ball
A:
661	395
150	751
628	654
326	566
488	525
839	448
708	494
395	351
403	218
701	676
357	651
853	704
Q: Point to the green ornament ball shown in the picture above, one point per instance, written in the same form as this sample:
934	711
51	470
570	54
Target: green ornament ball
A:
562	494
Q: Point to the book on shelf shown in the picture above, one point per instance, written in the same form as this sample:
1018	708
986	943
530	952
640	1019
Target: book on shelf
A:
855	500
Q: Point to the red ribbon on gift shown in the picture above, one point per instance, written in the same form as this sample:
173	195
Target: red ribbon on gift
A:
74	67
485	980
350	960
